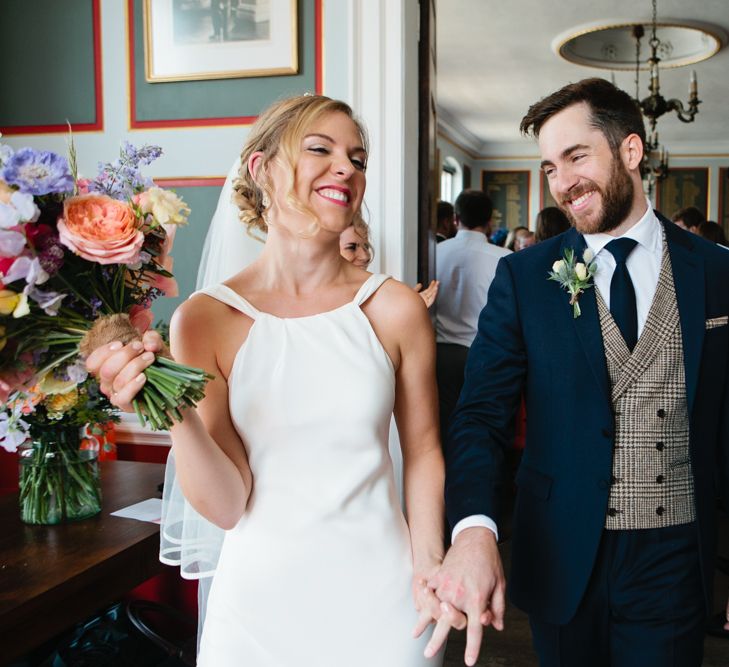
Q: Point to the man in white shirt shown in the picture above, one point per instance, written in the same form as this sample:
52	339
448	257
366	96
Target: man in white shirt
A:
465	266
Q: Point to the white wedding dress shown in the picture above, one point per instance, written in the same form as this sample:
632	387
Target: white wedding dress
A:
318	571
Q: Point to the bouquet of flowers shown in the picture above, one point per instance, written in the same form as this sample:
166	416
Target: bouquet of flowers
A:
80	263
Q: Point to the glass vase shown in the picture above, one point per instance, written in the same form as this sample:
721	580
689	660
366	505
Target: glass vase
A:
58	482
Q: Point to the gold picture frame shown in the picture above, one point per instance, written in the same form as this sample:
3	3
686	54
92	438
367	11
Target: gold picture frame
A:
192	40
509	190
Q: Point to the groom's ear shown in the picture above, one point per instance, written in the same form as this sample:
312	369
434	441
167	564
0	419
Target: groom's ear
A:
255	166
632	151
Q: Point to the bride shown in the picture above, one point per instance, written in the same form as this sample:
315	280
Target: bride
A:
287	452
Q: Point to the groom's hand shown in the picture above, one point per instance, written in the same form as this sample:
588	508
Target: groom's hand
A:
472	580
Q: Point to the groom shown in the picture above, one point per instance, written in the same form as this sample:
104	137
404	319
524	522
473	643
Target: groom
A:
627	406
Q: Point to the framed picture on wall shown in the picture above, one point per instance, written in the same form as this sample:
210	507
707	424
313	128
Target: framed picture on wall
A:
509	191
187	40
724	199
684	186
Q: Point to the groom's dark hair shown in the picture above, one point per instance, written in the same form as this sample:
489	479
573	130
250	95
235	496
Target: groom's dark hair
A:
612	110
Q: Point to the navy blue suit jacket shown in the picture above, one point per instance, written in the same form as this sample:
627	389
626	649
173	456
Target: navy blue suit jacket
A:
528	340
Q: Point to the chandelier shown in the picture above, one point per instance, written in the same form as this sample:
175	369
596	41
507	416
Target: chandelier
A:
655	105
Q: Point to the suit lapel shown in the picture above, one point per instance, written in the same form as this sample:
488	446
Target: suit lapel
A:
587	325
688	279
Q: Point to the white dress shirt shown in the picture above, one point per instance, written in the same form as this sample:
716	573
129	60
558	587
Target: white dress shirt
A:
465	266
644	265
644	262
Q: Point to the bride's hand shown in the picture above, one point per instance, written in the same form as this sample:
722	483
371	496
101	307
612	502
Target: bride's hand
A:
431	610
119	368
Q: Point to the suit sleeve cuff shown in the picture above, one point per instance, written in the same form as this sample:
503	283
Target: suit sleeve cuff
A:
480	520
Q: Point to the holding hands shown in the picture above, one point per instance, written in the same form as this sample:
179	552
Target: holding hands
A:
467	591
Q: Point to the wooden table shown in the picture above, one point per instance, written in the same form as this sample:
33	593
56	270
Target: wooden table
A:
54	576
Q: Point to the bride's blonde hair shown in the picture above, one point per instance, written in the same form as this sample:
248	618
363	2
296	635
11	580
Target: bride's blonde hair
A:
278	133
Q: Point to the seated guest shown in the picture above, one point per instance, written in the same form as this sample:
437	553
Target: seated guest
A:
525	240
513	235
550	222
465	266
689	218
713	232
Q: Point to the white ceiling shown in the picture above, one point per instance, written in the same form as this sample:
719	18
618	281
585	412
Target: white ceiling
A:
494	59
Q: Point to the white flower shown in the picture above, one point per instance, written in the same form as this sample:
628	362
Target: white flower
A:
558	265
165	206
588	256
13	431
581	270
22	309
25	205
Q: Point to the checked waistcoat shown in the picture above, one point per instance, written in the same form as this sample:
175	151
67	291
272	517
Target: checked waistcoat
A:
652	483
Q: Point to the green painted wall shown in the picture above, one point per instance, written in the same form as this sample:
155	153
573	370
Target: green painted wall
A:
188	246
47	56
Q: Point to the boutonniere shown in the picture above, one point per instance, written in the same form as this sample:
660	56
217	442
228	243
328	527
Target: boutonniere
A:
574	277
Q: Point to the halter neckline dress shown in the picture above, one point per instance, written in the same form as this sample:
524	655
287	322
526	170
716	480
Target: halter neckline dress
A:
318	570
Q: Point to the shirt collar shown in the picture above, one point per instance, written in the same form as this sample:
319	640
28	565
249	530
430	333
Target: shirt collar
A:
647	232
467	234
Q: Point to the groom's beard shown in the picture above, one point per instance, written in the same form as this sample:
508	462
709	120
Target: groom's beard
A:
617	200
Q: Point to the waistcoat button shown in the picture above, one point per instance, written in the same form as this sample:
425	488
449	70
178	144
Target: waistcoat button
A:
661	413
659	511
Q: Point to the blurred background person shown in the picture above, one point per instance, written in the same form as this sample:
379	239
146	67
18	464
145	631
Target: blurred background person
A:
689	218
445	227
513	235
498	236
551	221
465	266
713	232
525	240
355	247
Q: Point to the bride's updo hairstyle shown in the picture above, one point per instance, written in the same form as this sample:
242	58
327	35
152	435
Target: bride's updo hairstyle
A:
278	134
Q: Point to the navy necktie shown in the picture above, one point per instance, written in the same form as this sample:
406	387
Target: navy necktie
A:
622	293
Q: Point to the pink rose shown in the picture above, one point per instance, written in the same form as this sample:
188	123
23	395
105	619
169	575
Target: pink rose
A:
83	186
141	318
100	229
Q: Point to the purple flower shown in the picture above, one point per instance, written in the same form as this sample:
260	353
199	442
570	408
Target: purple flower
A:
11	243
26	268
50	302
51	257
77	372
37	172
96	305
122	179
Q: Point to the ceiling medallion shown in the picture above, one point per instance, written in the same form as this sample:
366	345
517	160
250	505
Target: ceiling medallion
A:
611	44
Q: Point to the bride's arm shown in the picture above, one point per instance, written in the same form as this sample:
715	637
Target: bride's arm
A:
402	324
211	462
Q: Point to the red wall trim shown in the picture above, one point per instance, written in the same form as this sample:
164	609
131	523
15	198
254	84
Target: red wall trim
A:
98	124
136	124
